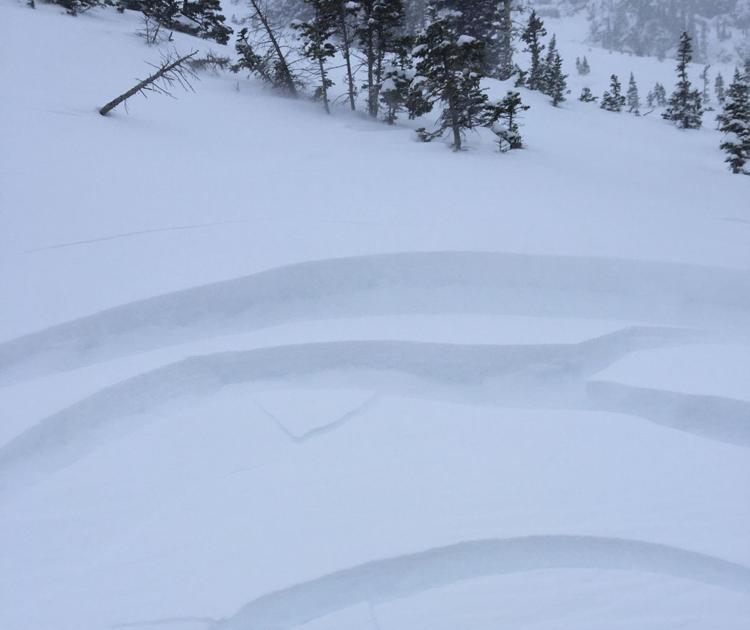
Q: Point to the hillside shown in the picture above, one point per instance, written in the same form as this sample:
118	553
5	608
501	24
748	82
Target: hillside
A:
263	368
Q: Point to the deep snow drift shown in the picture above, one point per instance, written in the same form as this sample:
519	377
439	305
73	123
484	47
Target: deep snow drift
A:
263	368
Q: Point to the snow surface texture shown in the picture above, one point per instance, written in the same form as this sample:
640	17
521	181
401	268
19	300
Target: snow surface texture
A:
262	368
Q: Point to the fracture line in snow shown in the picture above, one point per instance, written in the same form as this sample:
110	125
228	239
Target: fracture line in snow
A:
382	581
113	237
715	417
395	284
167	621
531	376
323	429
176	228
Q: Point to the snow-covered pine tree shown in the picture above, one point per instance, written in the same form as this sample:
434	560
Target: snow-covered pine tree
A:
482	20
706	93
719	89
585	67
633	97
522	77
502	118
397	78
315	35
587	96
74	7
660	95
532	37
249	59
202	18
505	49
448	74
379	27
555	81
547	65
613	100
261	53
164	12
207	20
685	106
734	123
345	36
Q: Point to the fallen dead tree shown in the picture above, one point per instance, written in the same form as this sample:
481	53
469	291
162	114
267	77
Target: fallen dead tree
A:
172	72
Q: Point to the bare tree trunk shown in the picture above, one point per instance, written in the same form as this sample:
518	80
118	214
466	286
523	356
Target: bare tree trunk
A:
456	132
378	77
170	71
506	42
346	51
370	54
287	74
324	84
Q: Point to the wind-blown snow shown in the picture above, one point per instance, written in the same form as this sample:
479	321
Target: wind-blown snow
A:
263	368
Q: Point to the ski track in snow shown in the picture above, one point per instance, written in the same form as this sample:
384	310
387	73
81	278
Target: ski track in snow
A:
426	283
382	581
531	376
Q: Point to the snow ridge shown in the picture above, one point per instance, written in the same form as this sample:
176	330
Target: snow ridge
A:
436	282
537	376
385	580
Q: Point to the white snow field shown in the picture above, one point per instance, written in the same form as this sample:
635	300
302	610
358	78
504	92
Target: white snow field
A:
264	369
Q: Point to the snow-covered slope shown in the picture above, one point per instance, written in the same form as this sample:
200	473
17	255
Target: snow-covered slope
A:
263	368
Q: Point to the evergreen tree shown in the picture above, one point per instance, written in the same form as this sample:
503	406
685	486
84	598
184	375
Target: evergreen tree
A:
397	78
547	65
585	67
555	81
491	22
685	106
734	123
532	37
502	118
163	12
660	95
207	20
379	25
202	18
582	66
483	20
719	89
706	94
505	49
345	35
587	96
448	73
633	98
74	7
522	77
316	34
613	100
